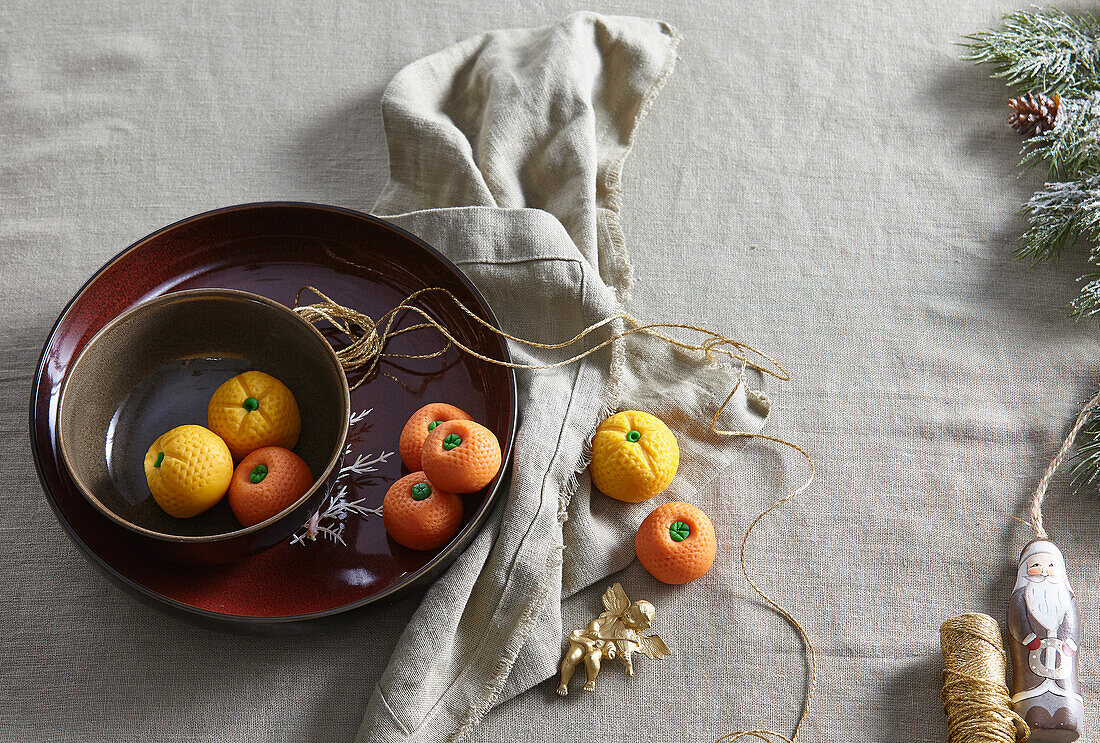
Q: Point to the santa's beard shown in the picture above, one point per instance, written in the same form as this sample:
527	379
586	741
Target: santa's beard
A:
1047	602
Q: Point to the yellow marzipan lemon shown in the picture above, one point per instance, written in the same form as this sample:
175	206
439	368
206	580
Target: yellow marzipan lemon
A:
188	470
634	456
253	410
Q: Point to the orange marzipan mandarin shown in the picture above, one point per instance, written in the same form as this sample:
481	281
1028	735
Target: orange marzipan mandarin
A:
420	516
267	481
461	456
676	543
419	425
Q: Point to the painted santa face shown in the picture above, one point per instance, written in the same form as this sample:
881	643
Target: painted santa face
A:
1043	566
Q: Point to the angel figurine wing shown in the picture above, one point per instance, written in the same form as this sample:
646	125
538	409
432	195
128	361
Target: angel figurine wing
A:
654	647
615	600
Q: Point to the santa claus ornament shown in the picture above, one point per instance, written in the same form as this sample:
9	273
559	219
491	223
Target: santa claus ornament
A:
1044	704
1043	625
1042	629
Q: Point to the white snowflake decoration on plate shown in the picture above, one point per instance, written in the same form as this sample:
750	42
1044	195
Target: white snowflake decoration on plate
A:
330	519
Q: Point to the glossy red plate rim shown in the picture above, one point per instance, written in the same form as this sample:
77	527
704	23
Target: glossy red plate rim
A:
439	562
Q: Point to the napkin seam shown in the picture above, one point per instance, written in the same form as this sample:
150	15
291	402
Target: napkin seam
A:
527	618
531	612
393	716
612	392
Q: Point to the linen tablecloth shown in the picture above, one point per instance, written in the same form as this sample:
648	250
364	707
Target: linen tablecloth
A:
825	180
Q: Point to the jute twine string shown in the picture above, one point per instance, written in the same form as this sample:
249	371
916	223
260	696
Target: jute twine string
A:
769	736
367	349
369	338
1041	491
975	697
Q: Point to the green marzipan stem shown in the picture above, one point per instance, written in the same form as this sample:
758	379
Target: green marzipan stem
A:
432	425
633	435
453	440
679	531
250	404
421	490
160	458
258	474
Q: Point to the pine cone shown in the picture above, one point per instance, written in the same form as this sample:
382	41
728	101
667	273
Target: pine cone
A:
1032	114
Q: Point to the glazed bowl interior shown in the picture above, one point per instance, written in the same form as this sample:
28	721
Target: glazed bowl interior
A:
155	367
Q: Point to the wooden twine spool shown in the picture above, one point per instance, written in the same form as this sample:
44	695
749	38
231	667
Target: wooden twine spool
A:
975	696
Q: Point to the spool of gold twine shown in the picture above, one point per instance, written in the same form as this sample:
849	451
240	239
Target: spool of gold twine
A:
975	696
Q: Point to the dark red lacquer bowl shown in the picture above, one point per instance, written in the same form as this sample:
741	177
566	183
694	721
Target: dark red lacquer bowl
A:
274	249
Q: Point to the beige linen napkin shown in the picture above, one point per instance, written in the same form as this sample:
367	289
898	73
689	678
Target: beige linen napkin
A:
506	152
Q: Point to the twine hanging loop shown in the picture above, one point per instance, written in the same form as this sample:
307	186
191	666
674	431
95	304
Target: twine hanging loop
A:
365	346
1041	491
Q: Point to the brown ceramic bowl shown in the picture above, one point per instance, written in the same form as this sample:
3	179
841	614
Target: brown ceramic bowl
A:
274	249
154	367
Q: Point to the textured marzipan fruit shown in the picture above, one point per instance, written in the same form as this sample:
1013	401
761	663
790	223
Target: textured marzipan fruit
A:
267	481
253	410
188	470
634	456
419	425
419	515
460	456
676	543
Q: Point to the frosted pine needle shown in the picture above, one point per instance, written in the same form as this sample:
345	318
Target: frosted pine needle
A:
1058	215
1087	303
1042	49
358	417
1086	460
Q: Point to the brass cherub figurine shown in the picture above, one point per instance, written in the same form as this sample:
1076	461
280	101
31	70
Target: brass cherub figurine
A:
616	632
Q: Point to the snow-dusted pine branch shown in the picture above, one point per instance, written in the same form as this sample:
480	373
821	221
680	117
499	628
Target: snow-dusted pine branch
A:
1072	147
1054	57
1087	303
1060	214
1043	50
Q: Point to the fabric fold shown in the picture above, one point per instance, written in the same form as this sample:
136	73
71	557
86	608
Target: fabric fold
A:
506	153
